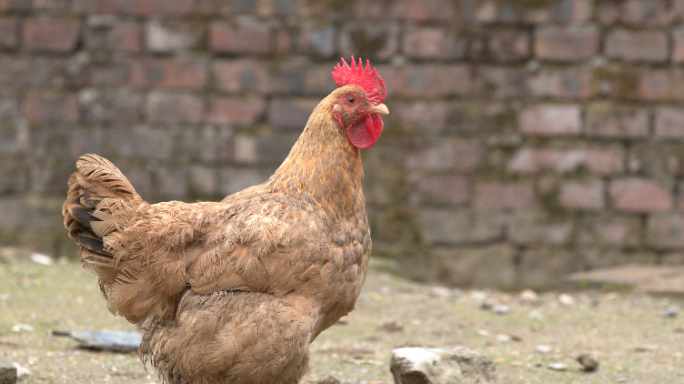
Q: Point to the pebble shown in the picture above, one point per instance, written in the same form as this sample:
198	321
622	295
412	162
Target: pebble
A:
621	380
501	309
503	338
21	371
544	348
21	327
558	367
529	296
39	258
588	362
445	292
670	313
566	299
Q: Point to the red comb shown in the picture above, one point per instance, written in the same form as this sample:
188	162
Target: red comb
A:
368	80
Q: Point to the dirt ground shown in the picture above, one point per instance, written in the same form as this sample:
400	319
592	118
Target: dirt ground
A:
627	331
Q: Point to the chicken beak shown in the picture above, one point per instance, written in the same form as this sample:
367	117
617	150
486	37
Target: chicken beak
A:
380	109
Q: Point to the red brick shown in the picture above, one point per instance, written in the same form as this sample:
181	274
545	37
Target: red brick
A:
9	32
669	123
655	85
550	120
318	39
573	83
44	108
50	35
119	107
566	43
583	196
420	116
423	10
236	111
371	40
640	195
116	74
639	46
602	161
503	82
680	196
433	43
459	155
135	7
428	80
203	181
247	39
678	45
241	75
172	36
125	37
665	231
509	45
174	108
646	13
289	113
168	74
499	195
613	231
443	190
621	121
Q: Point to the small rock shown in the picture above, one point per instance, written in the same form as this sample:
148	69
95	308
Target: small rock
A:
566	299
8	372
557	367
21	327
529	296
621	380
437	365
543	348
501	309
503	338
487	303
482	332
329	380
646	348
392	327
444	292
21	371
39	258
670	313
588	362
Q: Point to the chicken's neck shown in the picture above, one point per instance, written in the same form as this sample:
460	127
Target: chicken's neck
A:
323	168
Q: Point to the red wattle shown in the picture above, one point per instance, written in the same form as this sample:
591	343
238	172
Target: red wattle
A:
365	132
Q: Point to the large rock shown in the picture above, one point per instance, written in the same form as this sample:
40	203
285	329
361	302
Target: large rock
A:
440	366
8	373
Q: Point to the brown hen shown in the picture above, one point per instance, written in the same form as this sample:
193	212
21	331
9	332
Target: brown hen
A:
235	291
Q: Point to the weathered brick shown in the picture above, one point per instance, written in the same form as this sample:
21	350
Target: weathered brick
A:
532	228
419	116
504	196
572	83
440	226
170	183
505	45
110	74
605	119
678	45
318	39
51	108
503	82
121	106
125	37
369	40
550	120
617	231
246	149
489	266
140	142
290	114
640	195
665	231
648	13
655	85
168	74
428	80
586	196
50	35
640	46
477	116
540	268
236	111
134	7
241	75
459	155
244	39
171	36
203	181
174	108
573	43
423	10
669	123
433	43
9	32
599	160
445	189
236	179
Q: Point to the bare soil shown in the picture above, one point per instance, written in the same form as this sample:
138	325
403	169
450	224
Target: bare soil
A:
626	331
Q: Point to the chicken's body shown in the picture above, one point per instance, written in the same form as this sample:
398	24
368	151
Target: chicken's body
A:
233	292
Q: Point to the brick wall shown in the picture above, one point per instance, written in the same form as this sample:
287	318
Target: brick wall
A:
527	138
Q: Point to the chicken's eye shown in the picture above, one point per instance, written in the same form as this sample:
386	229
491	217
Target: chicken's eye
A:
351	100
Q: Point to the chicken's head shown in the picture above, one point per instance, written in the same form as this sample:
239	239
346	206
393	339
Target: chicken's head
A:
359	102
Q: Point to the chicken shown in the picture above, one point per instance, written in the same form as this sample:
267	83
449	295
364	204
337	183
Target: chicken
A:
235	291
